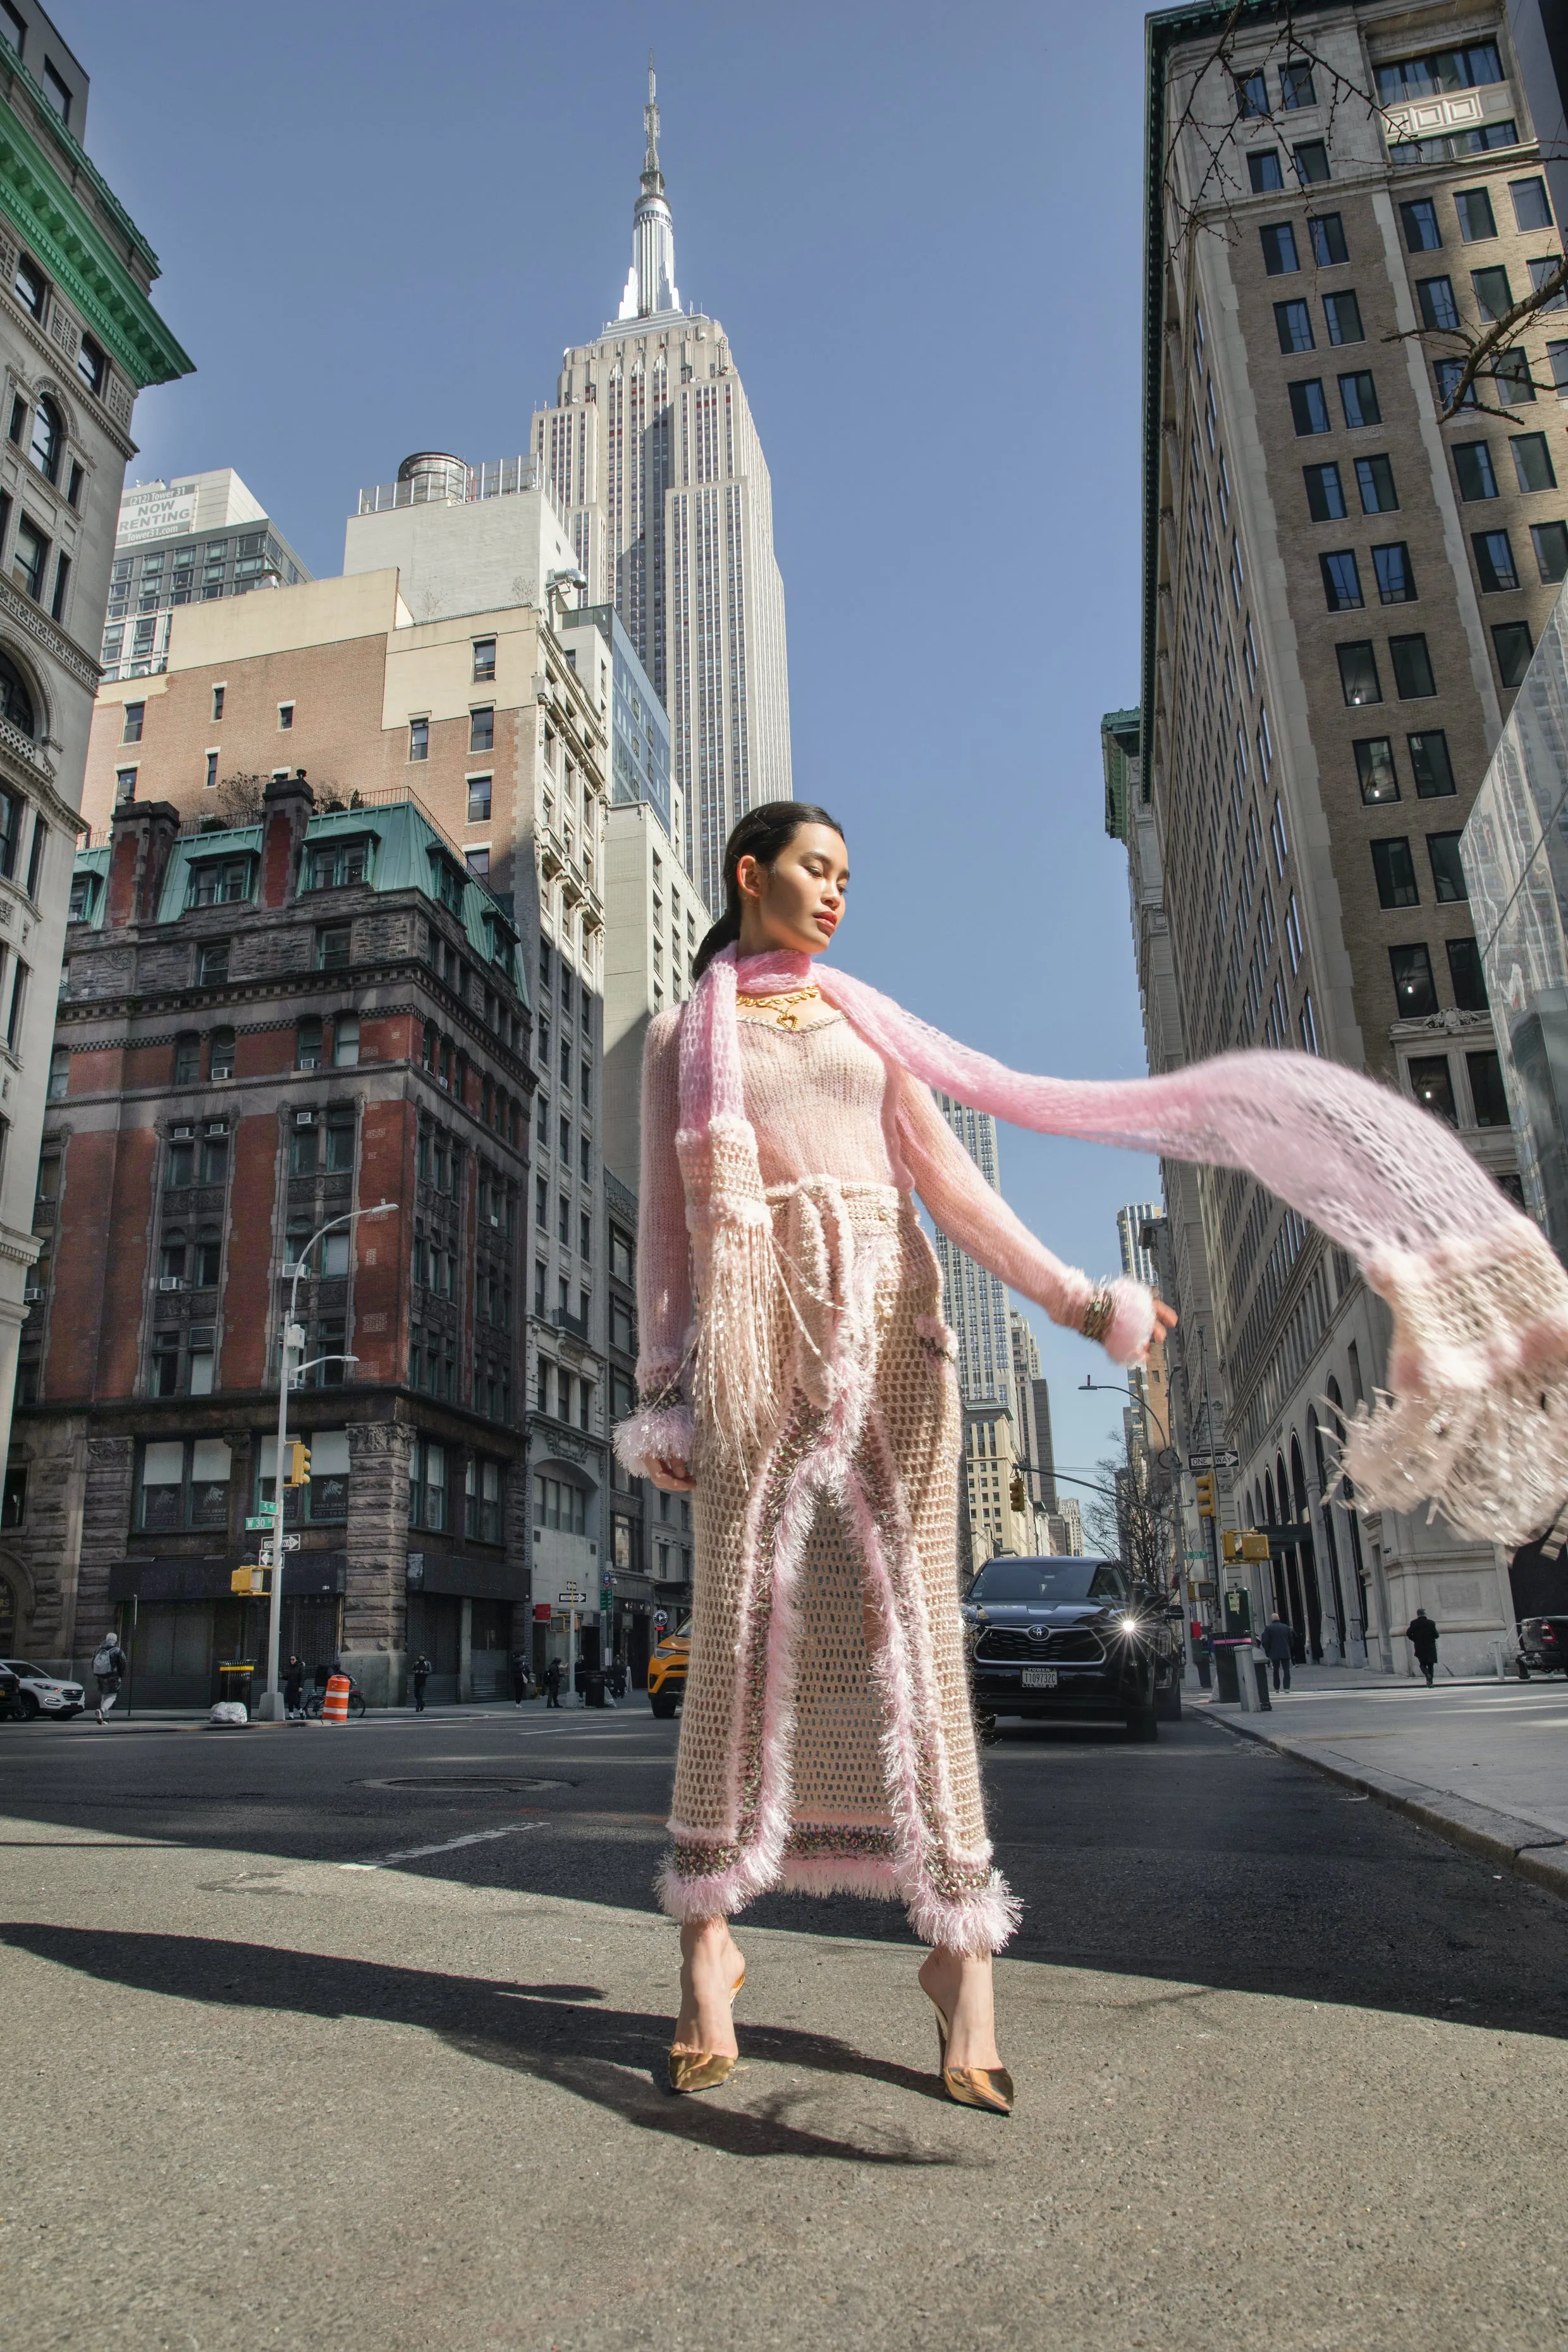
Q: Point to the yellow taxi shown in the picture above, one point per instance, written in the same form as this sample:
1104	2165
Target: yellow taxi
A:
666	1671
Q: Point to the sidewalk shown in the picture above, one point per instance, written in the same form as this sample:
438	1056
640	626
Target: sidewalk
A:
1483	1763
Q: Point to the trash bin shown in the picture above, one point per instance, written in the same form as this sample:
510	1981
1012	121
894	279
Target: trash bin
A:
1261	1668
1228	1683
593	1689
234	1683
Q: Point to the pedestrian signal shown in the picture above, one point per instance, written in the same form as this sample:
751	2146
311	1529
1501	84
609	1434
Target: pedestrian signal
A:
297	1464
1203	1482
250	1582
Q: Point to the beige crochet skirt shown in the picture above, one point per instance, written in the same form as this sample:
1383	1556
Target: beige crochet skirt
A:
826	1741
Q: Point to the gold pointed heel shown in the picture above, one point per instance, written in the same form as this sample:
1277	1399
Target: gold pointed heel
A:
704	2070
990	2087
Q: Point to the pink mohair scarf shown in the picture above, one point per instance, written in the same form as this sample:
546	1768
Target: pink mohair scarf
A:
1476	1423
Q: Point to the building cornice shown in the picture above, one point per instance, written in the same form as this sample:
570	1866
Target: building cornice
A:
62	232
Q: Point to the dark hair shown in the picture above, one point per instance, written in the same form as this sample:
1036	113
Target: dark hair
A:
764	834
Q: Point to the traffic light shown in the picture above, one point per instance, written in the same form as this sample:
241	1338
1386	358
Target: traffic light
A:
1016	1491
251	1582
298	1464
1203	1482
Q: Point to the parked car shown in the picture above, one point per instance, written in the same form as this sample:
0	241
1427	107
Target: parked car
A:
10	1694
1543	1646
44	1694
1055	1637
666	1671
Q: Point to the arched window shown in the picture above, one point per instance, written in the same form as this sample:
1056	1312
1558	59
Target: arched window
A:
48	440
223	1054
15	701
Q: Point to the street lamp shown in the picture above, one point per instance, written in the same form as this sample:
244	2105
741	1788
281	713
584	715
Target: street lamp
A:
270	1710
1167	1459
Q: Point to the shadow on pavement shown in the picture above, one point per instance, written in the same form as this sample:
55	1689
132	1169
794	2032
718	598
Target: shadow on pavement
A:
613	2058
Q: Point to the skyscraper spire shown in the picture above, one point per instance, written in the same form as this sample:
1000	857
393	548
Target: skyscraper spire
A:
651	283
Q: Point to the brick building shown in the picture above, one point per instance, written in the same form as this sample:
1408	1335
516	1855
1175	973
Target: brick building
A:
262	1027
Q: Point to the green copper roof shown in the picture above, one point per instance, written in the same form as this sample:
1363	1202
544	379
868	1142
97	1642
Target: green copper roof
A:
1119	744
60	226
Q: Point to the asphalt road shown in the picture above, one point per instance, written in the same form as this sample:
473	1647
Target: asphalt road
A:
1291	2073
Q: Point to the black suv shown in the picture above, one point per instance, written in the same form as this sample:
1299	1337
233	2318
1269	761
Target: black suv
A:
1053	1638
1543	1646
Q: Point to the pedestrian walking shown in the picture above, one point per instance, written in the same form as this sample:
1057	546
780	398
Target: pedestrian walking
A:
552	1682
796	1373
110	1666
294	1688
519	1677
1278	1644
1422	1636
421	1674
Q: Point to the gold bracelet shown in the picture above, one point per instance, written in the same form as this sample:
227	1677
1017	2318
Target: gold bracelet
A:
1097	1314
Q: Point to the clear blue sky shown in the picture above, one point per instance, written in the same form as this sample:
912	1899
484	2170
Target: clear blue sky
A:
379	226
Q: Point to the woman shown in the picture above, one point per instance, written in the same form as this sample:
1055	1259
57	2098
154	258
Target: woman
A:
796	1379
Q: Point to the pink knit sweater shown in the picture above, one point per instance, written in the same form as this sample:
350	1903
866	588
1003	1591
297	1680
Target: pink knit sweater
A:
822	1103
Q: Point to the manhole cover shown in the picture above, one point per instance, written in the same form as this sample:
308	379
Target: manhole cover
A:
465	1784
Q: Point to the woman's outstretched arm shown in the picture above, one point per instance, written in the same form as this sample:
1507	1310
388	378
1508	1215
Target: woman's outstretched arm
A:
1121	1314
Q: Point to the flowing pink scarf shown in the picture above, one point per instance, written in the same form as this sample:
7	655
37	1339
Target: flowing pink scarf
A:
1477	1422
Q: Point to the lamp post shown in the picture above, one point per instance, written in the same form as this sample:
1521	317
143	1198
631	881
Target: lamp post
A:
270	1710
1164	1459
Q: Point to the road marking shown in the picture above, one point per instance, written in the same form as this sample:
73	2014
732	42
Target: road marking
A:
448	1845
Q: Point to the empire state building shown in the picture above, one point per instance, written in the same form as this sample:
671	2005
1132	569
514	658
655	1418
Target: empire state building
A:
655	464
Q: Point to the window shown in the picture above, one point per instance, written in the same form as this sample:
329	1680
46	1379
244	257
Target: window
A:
1422	233
481	730
304	1151
1357	398
1438	309
206	1259
1251	95
1293	324
1412	668
1375	480
483	1485
340	1158
426	1483
1511	378
1531	461
559	1503
1447	869
1341	581
184	1483
479	800
1375	767
83	898
212	963
1342	313
1488	1097
1494	296
1464	974
1358	673
211	771
478	861
1325	493
1293	933
1263	171
13	28
215	1155
285	716
1474	208
32	287
1494	560
1443	69
30	558
1447	373
1541	274
48	441
1550	541
1430	765
1473	470
419	738
1395	870
1432	1085
1308	407
345	1040
218	693
136	714
218	881
221	1065
1512	642
1328	236
337	865
1311	161
308	1044
1295	86
125	783
1530	208
1280	250
484	657
1396	580
1414	991
59	1074
187	1058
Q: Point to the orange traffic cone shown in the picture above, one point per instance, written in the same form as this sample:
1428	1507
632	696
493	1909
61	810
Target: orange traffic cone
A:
335	1706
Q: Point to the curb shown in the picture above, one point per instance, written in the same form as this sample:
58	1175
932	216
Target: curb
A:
1528	1848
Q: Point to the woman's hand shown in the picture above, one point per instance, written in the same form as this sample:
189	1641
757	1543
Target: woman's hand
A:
1165	1319
672	1473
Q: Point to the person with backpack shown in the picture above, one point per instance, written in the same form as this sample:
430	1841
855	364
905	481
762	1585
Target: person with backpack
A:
110	1666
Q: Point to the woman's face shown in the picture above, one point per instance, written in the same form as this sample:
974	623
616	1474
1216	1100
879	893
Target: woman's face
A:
797	902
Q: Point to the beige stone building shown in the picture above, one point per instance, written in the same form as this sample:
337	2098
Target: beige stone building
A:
1341	594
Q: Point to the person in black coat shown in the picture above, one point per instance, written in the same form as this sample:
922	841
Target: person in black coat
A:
420	1671
294	1687
1277	1643
552	1682
519	1677
1422	1636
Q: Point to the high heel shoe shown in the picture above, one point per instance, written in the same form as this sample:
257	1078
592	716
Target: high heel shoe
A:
990	2087
704	2070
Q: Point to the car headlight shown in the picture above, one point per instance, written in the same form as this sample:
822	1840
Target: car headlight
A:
1131	1624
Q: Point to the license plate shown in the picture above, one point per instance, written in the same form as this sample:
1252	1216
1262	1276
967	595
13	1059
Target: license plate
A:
1039	1677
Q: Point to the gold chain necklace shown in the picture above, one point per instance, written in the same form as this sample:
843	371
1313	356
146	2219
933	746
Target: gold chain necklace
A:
780	1009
